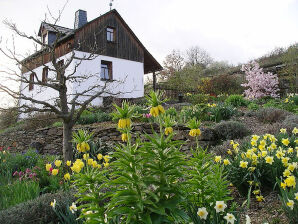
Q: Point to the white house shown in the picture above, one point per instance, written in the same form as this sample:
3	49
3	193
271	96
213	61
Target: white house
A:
121	59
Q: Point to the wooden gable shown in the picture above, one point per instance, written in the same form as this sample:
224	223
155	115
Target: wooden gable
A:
126	45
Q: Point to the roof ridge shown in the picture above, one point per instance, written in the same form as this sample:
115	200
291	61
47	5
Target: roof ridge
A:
58	25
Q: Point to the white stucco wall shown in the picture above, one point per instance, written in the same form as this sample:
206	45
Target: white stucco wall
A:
128	79
128	76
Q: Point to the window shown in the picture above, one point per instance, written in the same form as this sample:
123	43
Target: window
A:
106	70
60	65
45	71
31	79
110	34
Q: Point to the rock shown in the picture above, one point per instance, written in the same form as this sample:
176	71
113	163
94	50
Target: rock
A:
52	131
36	145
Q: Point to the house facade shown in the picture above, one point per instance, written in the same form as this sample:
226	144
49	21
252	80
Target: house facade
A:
119	59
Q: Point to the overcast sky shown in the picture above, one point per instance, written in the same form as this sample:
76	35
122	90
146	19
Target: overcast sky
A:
231	30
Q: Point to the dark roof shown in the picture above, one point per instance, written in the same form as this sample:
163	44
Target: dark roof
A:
54	28
150	62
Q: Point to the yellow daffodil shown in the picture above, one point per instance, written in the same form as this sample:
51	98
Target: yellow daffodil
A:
226	162
285	161
279	154
58	163
295	131
106	165
217	159
259	198
68	163
76	168
285	141
290	181
250	182
94	164
283	185
296	196
290	150
90	161
269	160
286	173
292	166
168	130
48	167
229	152
264	153
256	192
67	176
273	146
243	164
86	156
253	143
99	156
255	137
261	147
290	204
283	131
106	158
55	172
252	168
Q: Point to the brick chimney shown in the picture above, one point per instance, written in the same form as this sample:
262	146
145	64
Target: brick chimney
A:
80	19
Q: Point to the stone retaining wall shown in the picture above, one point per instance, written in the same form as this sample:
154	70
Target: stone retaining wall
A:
49	140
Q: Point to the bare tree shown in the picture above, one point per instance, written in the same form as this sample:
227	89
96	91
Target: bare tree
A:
173	62
64	103
198	56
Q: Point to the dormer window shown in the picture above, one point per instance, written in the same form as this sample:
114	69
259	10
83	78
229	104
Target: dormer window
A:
110	34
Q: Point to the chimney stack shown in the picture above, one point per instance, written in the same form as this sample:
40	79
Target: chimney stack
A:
80	19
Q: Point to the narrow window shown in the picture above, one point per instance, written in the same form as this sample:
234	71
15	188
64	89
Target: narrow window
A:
110	34
106	70
31	79
45	71
44	38
60	65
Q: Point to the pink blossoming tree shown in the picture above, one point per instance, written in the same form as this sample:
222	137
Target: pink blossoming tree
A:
259	83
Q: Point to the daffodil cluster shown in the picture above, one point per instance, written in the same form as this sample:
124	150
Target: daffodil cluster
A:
276	153
219	207
79	164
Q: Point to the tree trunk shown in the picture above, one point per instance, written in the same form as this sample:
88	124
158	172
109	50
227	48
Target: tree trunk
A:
67	145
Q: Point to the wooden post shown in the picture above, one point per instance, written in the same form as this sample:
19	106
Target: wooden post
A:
154	81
